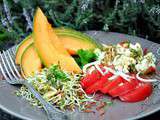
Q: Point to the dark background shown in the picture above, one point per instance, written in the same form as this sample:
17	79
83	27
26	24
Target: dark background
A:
135	17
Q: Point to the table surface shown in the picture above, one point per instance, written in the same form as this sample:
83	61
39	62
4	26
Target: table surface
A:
6	116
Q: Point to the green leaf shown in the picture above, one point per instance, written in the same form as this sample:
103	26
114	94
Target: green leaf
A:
85	56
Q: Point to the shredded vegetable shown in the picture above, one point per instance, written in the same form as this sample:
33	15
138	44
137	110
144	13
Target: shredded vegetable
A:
144	80
58	87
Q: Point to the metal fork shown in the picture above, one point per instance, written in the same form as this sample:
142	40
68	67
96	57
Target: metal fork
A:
11	74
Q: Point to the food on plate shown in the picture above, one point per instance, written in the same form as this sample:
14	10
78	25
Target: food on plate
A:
58	87
119	72
71	39
140	93
21	48
48	46
30	61
66	66
127	57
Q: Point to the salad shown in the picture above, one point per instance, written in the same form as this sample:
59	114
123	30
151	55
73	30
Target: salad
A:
59	87
119	72
68	67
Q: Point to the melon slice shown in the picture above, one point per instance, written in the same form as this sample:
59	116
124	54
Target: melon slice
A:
73	40
48	47
30	61
21	48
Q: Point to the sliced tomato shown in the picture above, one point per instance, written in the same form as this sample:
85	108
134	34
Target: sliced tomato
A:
98	84
141	92
90	79
123	88
124	43
151	69
107	75
145	51
112	84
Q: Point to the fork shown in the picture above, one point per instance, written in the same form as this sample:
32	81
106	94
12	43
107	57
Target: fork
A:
11	74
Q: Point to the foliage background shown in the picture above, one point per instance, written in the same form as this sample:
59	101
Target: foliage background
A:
135	17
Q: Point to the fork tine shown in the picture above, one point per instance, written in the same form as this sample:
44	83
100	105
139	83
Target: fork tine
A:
10	68
13	56
5	66
5	76
13	64
12	52
3	72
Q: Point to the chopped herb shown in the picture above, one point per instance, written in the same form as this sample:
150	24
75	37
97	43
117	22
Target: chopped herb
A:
135	53
55	73
132	68
85	56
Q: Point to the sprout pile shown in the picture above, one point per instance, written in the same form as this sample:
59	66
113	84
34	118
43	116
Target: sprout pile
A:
58	87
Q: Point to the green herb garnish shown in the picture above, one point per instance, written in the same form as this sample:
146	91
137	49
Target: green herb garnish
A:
55	73
85	56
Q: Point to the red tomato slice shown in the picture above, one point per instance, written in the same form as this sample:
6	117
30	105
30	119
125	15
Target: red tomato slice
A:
140	93
90	79
124	88
145	51
108	75
112	84
151	69
96	86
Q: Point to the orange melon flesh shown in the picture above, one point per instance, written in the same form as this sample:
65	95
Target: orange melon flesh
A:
56	42
75	44
21	48
30	61
48	47
74	40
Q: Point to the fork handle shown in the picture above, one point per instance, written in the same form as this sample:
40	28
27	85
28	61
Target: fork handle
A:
52	112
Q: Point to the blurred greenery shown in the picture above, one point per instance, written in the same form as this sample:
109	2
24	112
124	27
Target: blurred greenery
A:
134	17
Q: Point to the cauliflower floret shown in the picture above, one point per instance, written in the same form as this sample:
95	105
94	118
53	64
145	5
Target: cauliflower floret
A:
122	63
100	55
137	46
123	51
147	61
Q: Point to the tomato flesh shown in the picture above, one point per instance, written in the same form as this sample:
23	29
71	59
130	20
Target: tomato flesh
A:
123	88
141	92
126	87
151	69
127	91
95	87
112	84
90	79
98	84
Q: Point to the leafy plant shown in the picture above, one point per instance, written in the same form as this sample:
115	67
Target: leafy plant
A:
135	17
